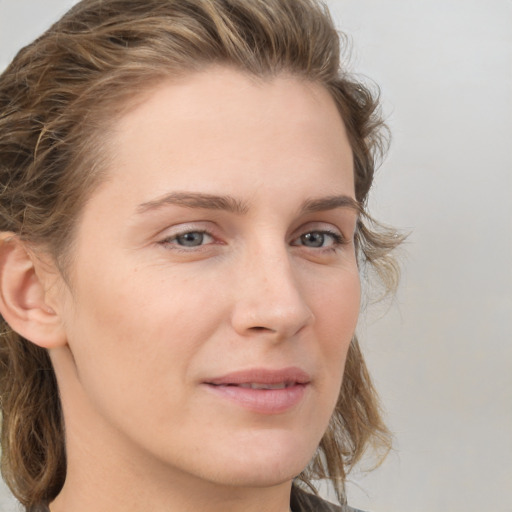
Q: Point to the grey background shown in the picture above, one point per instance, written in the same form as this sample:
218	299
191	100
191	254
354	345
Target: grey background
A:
441	351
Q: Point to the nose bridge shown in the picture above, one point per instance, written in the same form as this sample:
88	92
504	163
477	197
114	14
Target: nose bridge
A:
270	297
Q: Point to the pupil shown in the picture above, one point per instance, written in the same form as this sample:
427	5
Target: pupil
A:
313	239
191	239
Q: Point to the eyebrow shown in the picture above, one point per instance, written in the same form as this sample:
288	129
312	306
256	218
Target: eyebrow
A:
196	200
331	203
232	205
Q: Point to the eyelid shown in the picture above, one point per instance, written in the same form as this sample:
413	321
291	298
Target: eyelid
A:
185	227
319	226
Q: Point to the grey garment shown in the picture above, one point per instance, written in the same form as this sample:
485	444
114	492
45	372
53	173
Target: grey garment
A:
302	501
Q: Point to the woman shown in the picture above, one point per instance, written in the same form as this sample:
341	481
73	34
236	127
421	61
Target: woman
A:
183	191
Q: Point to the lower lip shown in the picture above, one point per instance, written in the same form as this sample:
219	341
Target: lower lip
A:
262	401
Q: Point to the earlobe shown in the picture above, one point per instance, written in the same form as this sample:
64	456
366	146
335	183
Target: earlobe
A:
23	297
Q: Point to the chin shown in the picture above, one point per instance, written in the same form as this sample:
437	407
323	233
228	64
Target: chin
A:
265	461
269	474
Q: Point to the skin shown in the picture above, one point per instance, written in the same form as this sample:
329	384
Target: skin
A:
146	321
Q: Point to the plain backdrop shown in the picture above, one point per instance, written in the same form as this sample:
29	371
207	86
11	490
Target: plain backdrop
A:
441	351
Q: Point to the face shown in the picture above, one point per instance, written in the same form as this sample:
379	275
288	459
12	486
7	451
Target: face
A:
214	286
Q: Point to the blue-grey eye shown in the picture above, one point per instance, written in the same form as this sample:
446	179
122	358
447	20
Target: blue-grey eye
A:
319	239
313	239
191	239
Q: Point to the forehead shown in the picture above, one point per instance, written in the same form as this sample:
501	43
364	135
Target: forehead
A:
218	118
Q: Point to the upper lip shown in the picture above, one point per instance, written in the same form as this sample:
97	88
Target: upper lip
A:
291	374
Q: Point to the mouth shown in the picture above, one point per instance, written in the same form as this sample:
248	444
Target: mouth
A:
263	378
260	385
262	391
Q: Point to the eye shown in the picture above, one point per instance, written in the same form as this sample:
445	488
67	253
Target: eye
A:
189	239
319	239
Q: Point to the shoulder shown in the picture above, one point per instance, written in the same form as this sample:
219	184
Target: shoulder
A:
302	501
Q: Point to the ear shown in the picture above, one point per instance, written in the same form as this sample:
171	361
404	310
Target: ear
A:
23	294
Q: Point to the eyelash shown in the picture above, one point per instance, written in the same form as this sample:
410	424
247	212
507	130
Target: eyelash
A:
337	240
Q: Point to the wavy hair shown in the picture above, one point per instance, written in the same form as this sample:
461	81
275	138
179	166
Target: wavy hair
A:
58	99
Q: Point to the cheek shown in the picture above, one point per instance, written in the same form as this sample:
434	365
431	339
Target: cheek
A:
137	332
337	303
337	313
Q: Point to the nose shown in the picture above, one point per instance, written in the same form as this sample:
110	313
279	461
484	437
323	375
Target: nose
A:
270	300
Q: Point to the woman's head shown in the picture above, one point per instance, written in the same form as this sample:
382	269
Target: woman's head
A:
70	102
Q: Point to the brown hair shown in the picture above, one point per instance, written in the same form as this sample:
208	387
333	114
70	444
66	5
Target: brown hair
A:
57	100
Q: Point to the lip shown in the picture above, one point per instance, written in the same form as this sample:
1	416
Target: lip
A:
262	401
